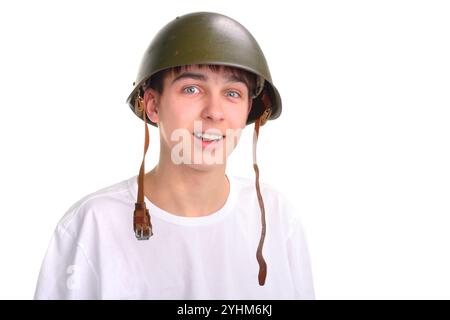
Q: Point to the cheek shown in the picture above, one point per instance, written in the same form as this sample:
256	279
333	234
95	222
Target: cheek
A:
178	111
237	117
175	121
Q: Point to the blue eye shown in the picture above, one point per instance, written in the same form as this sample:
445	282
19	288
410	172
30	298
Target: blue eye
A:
190	89
237	95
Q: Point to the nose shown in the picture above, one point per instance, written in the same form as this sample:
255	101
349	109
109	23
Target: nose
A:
213	109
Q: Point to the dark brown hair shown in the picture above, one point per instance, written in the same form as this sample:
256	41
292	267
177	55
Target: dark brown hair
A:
157	80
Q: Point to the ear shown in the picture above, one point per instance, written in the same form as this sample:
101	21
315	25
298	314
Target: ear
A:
151	98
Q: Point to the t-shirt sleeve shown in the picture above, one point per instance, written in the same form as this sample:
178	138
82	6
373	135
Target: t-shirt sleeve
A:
299	258
66	272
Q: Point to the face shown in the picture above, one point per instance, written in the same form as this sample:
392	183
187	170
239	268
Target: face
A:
200	115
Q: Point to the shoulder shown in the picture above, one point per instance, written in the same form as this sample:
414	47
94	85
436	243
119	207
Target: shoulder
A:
102	205
276	204
247	186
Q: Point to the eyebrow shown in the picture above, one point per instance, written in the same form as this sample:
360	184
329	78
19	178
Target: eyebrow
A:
202	77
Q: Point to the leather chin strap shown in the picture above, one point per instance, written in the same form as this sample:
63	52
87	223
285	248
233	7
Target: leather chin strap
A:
142	223
259	256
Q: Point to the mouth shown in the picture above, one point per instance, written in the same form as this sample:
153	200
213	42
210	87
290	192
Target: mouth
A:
208	139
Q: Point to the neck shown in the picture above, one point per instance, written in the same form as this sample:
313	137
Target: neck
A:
186	190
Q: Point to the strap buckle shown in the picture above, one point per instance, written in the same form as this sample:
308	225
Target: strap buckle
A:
139	106
265	116
141	222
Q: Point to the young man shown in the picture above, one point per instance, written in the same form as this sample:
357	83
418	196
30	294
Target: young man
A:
202	80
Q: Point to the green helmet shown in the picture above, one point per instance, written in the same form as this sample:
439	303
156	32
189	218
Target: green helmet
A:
208	38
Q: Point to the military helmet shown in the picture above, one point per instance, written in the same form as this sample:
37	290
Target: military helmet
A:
207	38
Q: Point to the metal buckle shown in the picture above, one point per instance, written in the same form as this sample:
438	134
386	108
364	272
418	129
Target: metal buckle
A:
141	222
140	234
139	106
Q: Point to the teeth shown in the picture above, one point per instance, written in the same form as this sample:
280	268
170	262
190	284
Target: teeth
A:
207	136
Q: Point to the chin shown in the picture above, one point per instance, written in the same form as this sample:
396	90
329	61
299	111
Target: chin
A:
205	167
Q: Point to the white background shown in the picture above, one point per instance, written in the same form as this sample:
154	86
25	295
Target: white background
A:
361	148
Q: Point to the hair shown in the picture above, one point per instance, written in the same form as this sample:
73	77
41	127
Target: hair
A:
156	81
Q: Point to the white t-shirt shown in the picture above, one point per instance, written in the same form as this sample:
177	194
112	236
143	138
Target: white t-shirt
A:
94	253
